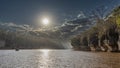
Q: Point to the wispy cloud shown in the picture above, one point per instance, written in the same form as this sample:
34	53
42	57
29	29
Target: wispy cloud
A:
23	27
76	28
68	28
81	15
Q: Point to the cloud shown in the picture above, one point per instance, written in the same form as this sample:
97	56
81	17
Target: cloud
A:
76	28
81	15
65	30
8	24
14	26
57	34
68	23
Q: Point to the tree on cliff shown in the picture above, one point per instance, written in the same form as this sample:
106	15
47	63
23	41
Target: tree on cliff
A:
104	35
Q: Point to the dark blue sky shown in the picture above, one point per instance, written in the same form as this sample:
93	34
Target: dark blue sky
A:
26	11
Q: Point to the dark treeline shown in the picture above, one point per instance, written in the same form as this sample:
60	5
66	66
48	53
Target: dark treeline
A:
15	40
103	36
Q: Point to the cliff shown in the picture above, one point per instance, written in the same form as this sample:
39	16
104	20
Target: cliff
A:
103	36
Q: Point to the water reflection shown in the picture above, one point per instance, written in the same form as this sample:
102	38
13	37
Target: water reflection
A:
44	59
58	59
45	52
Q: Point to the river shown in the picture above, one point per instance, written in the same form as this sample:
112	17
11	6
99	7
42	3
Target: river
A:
58	59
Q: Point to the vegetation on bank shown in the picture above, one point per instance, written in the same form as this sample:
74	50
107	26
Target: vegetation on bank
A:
14	40
103	36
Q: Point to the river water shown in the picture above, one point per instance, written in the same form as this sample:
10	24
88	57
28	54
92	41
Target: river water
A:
58	59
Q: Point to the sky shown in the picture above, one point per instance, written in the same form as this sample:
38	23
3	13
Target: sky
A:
29	11
67	18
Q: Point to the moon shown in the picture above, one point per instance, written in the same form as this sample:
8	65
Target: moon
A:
45	21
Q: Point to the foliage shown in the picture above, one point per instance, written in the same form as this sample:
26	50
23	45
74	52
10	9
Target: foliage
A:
16	40
102	30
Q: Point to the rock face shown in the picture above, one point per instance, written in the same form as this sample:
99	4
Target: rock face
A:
103	36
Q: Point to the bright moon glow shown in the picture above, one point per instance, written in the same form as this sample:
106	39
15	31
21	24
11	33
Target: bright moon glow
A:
45	21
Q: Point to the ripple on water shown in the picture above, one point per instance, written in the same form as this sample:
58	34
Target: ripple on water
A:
57	59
